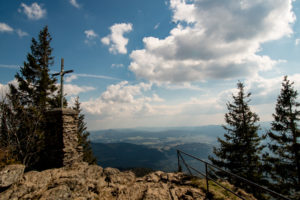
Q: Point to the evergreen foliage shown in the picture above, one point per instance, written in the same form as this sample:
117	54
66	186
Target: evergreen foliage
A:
83	135
239	151
284	159
23	110
35	86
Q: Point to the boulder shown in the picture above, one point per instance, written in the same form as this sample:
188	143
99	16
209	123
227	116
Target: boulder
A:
11	174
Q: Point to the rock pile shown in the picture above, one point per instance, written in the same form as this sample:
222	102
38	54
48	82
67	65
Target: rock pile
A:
83	182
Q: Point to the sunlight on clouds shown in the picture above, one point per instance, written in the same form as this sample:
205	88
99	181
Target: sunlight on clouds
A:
116	40
34	11
71	89
70	78
121	100
214	40
124	105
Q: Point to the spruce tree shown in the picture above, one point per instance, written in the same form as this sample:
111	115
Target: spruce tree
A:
239	151
83	135
35	85
28	101
284	159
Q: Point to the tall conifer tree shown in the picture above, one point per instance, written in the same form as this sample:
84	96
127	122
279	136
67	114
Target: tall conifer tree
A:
27	102
285	141
35	85
83	135
239	151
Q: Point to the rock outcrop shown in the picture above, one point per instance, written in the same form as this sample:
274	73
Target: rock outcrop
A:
11	174
83	182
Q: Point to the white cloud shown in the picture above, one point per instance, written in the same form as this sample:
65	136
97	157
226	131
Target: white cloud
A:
75	76
34	11
5	28
297	41
156	26
70	78
90	34
9	66
4	88
74	3
90	37
214	40
21	33
122	100
71	89
117	65
266	90
116	40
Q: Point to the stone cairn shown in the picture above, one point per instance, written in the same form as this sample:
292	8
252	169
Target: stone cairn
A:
61	138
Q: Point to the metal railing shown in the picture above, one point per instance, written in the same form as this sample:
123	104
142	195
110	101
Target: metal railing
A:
207	176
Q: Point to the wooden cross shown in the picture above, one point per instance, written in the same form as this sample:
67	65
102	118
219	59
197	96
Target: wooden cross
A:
62	73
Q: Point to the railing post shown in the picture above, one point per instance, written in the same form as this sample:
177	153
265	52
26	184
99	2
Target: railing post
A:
178	160
206	178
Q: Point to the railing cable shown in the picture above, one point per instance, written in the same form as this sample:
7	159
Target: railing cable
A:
179	152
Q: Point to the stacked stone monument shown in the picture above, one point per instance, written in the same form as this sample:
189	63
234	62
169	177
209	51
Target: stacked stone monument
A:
62	139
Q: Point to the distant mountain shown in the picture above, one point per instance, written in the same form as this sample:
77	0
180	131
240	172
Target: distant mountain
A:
125	155
164	137
157	137
155	148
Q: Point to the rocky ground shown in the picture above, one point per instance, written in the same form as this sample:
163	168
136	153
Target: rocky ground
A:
83	181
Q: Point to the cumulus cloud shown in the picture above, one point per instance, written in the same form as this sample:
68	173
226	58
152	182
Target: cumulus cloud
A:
122	100
33	11
124	105
5	28
116	40
71	89
21	33
266	90
214	40
74	3
90	37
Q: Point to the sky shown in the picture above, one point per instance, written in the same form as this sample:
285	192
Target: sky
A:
159	63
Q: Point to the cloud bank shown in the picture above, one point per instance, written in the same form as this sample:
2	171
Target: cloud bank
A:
214	40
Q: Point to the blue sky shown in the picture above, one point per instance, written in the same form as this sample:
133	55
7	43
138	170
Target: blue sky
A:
141	63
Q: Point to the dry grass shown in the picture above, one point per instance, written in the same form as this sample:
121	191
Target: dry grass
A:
218	193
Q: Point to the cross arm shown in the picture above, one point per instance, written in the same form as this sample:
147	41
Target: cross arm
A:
68	71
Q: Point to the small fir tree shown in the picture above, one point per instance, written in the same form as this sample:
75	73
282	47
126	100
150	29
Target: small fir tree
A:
284	160
239	151
83	135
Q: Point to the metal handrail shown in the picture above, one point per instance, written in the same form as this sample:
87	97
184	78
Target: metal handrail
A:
206	175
